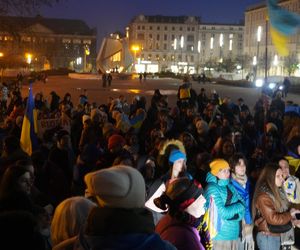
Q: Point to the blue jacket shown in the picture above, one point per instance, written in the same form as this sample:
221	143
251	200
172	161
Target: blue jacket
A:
245	194
231	214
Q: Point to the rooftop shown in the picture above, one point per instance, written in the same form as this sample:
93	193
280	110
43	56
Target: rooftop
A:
58	26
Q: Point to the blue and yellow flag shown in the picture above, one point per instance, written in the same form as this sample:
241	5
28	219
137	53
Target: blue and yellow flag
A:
283	24
28	135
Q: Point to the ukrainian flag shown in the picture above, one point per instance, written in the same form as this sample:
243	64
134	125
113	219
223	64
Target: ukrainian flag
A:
28	135
283	24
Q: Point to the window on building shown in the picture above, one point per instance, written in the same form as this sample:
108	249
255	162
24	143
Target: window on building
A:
188	29
166	28
138	27
165	46
204	28
141	36
179	58
173	28
157	37
190	38
213	28
87	41
76	41
150	36
165	37
116	57
190	48
150	27
149	57
157	46
158	27
173	37
180	28
193	28
66	40
143	27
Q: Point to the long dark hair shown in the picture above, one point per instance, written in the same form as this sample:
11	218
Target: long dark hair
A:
267	180
9	182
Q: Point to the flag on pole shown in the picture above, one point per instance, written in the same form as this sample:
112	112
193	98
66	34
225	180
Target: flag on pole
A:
283	24
28	135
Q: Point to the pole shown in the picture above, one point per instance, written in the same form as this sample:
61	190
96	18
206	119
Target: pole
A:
266	55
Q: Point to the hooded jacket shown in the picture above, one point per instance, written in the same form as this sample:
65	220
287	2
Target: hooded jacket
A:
230	214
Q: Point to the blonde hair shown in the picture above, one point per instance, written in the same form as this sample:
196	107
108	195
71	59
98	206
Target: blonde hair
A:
68	217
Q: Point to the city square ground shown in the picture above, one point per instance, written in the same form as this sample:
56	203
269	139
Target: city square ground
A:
130	88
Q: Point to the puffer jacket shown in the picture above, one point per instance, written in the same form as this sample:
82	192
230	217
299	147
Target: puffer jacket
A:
230	214
268	214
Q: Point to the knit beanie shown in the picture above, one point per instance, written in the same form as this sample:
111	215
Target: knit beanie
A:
115	140
176	155
217	165
118	186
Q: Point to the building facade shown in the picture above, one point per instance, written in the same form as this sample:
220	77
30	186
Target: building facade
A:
48	43
257	40
181	44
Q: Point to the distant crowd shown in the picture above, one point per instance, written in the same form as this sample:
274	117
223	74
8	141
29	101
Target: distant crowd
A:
208	173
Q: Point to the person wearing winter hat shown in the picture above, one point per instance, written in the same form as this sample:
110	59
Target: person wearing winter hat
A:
185	201
116	142
120	220
177	161
230	207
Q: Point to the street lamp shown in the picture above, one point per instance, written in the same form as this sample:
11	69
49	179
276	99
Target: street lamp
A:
135	49
28	57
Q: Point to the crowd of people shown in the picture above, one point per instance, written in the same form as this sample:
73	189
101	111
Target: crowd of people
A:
208	173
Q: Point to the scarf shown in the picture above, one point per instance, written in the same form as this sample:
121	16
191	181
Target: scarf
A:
241	179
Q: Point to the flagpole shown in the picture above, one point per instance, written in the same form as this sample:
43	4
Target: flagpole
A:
266	54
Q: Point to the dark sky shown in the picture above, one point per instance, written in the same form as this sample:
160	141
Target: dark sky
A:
113	15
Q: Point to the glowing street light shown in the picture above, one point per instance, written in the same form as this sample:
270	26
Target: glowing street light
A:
175	43
135	48
1	54
28	57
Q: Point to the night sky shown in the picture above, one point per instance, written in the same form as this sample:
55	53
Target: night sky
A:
113	15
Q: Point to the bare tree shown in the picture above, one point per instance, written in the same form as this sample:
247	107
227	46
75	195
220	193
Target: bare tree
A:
23	7
290	64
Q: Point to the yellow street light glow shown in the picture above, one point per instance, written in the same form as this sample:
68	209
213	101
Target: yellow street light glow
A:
135	48
28	57
1	54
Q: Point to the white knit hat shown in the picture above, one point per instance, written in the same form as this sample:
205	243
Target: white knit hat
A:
118	186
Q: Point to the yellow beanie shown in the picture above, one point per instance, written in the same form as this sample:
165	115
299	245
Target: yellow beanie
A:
217	165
